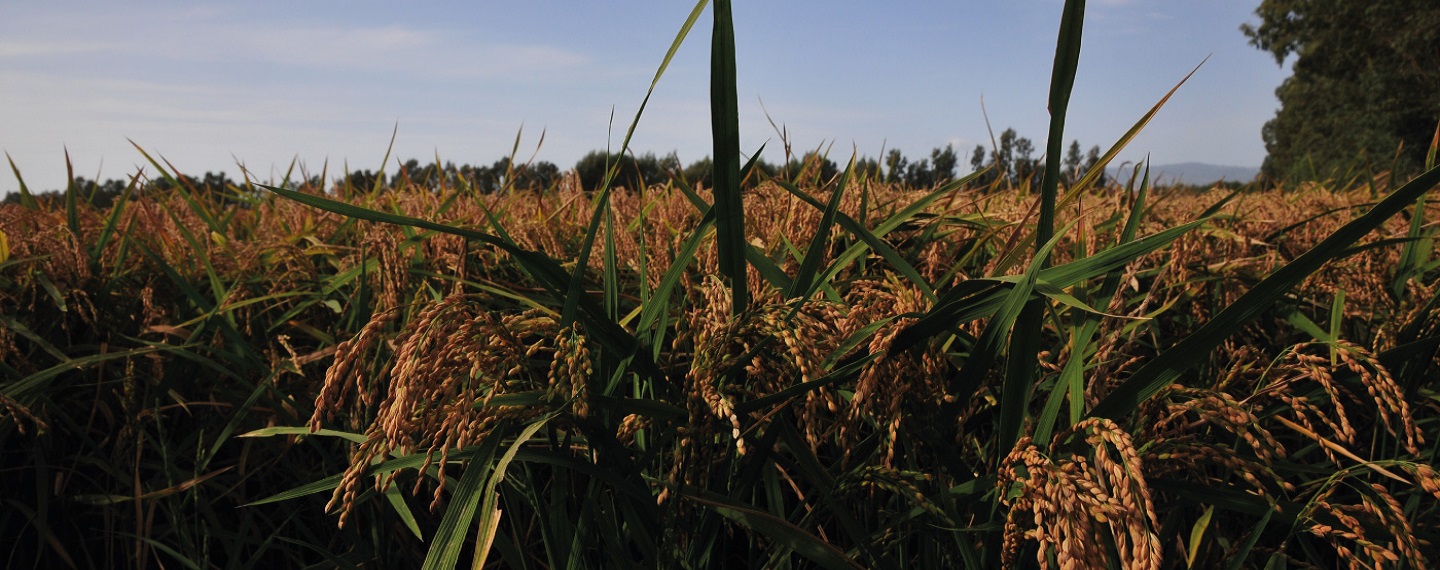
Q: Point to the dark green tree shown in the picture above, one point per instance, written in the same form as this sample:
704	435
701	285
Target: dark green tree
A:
977	158
1022	166
866	168
358	182
1072	163
1092	159
895	163
634	171
919	174
813	167
759	172
429	175
943	163
977	163
1365	80
701	171
98	194
1004	155
538	175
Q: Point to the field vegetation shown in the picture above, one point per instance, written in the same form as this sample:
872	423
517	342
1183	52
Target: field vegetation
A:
794	370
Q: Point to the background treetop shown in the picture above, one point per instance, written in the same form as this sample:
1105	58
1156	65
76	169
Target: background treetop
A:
1365	82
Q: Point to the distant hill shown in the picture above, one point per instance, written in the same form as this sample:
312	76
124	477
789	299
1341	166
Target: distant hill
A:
1193	173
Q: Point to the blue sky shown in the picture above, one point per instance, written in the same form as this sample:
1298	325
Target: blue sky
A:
209	86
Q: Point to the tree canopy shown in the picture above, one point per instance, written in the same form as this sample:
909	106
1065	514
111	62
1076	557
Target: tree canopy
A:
1365	81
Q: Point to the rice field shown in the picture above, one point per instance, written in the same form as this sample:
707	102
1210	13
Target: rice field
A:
807	373
387	364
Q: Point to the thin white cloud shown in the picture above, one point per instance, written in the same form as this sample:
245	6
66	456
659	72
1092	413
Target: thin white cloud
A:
351	48
39	48
397	50
227	37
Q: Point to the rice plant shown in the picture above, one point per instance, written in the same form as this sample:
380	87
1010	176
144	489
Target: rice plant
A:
807	373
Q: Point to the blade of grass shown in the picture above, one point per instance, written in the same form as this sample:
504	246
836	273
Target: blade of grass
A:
1062	80
819	242
397	503
183	189
27	200
576	287
379	183
305	431
490	510
1015	392
1094	173
444	552
72	196
871	239
767	269
108	230
20	389
1072	376
1415	255
779	530
725	129
1237	561
1024	349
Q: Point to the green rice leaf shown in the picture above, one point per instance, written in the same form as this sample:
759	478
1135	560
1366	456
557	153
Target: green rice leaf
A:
725	130
305	431
397	503
27	200
818	244
1015	393
489	511
779	530
465	499
978	298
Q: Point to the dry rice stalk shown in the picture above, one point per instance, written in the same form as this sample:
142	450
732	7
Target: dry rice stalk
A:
392	277
1076	502
1180	443
1386	397
1221	410
901	483
1355	530
569	370
21	414
1192	456
1427	477
347	376
889	390
792	353
451	360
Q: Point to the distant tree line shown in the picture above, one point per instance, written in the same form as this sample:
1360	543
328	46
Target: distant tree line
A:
104	194
1011	162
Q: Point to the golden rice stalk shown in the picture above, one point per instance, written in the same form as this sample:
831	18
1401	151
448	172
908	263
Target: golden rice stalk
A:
569	370
20	414
450	360
1385	396
888	391
1077	502
792	352
1372	534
